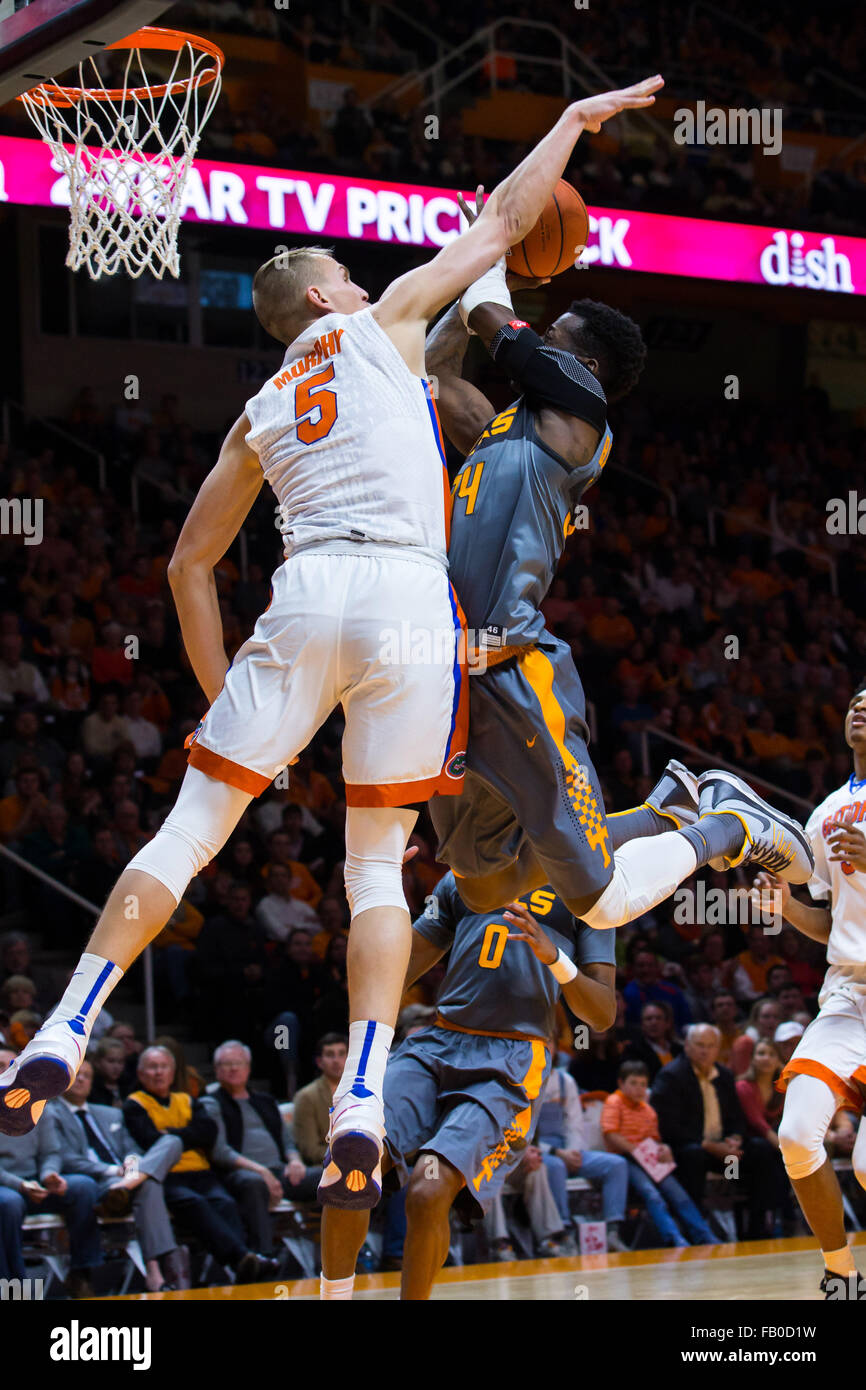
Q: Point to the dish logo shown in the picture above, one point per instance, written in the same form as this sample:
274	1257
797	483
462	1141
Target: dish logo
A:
784	262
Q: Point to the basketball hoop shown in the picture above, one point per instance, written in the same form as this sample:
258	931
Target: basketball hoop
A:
127	151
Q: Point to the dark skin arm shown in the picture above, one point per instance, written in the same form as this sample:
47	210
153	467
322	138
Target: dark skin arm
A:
591	994
463	409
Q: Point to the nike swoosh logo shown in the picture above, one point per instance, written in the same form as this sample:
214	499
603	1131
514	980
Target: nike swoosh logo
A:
530	741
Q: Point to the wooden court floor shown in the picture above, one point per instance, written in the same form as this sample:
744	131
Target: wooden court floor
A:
767	1269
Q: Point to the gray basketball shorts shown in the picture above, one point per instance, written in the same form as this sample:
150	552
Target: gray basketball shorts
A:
471	1099
529	778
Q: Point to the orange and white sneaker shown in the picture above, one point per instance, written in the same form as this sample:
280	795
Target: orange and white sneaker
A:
45	1069
352	1176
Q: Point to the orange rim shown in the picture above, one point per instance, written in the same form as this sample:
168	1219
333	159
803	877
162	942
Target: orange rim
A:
171	40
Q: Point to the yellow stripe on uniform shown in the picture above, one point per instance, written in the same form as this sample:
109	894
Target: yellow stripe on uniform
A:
538	670
531	1082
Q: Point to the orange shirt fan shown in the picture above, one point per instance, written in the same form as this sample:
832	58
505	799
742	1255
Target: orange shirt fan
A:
127	150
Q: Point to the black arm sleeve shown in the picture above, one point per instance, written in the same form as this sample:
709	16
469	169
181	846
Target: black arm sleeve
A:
549	376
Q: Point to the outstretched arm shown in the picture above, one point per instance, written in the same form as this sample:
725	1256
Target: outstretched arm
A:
215	518
463	409
511	210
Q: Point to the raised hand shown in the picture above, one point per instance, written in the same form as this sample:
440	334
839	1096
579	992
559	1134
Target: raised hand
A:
594	111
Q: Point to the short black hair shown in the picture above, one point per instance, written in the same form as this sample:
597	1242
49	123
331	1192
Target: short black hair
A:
330	1040
632	1069
614	340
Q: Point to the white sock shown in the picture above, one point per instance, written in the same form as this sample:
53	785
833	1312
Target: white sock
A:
364	1074
645	873
840	1261
336	1288
94	979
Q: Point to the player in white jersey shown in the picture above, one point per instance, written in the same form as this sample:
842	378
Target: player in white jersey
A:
346	435
828	1069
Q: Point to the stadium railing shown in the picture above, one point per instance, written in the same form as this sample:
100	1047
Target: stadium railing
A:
713	760
66	892
777	535
10	406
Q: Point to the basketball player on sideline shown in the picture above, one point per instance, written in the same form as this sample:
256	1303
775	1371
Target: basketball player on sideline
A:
346	434
531	810
828	1068
462	1096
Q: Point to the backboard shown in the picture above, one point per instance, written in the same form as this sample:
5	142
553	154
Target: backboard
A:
43	38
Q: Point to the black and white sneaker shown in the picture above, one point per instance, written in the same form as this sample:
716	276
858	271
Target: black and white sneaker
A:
843	1288
675	795
772	840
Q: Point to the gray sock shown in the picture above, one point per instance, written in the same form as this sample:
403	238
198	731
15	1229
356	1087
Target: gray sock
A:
713	836
636	824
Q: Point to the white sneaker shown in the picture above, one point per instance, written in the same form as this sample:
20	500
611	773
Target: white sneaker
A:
352	1177
46	1068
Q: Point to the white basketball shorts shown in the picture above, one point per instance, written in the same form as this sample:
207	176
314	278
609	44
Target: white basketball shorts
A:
833	1047
380	634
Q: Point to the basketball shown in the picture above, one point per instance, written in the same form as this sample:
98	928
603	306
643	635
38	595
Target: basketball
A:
557	238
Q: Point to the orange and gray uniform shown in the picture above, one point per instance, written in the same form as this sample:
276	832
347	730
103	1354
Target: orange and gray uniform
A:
528	773
468	1088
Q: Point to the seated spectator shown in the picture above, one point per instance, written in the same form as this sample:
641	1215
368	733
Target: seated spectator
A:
724	1017
31	745
596	1067
701	1120
251	1154
333	914
229	968
20	812
105	729
279	911
295	987
16	959
655	1044
19	680
764	1019
108	1059
785	1040
96	1144
312	1118
133	1047
560	1136
304	886
760	1102
110	661
626	1121
142	733
186	1078
700	993
646	986
193	1193
54	845
751	967
31	1180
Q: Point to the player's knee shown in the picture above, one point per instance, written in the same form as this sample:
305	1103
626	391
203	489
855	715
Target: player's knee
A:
432	1188
373	883
607	909
801	1144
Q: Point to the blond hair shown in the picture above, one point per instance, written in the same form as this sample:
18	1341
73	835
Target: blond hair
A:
279	288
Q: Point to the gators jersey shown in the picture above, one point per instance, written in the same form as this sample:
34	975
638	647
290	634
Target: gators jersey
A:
494	985
840	881
513	505
349	440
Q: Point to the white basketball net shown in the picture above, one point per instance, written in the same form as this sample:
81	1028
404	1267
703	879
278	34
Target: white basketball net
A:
125	203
